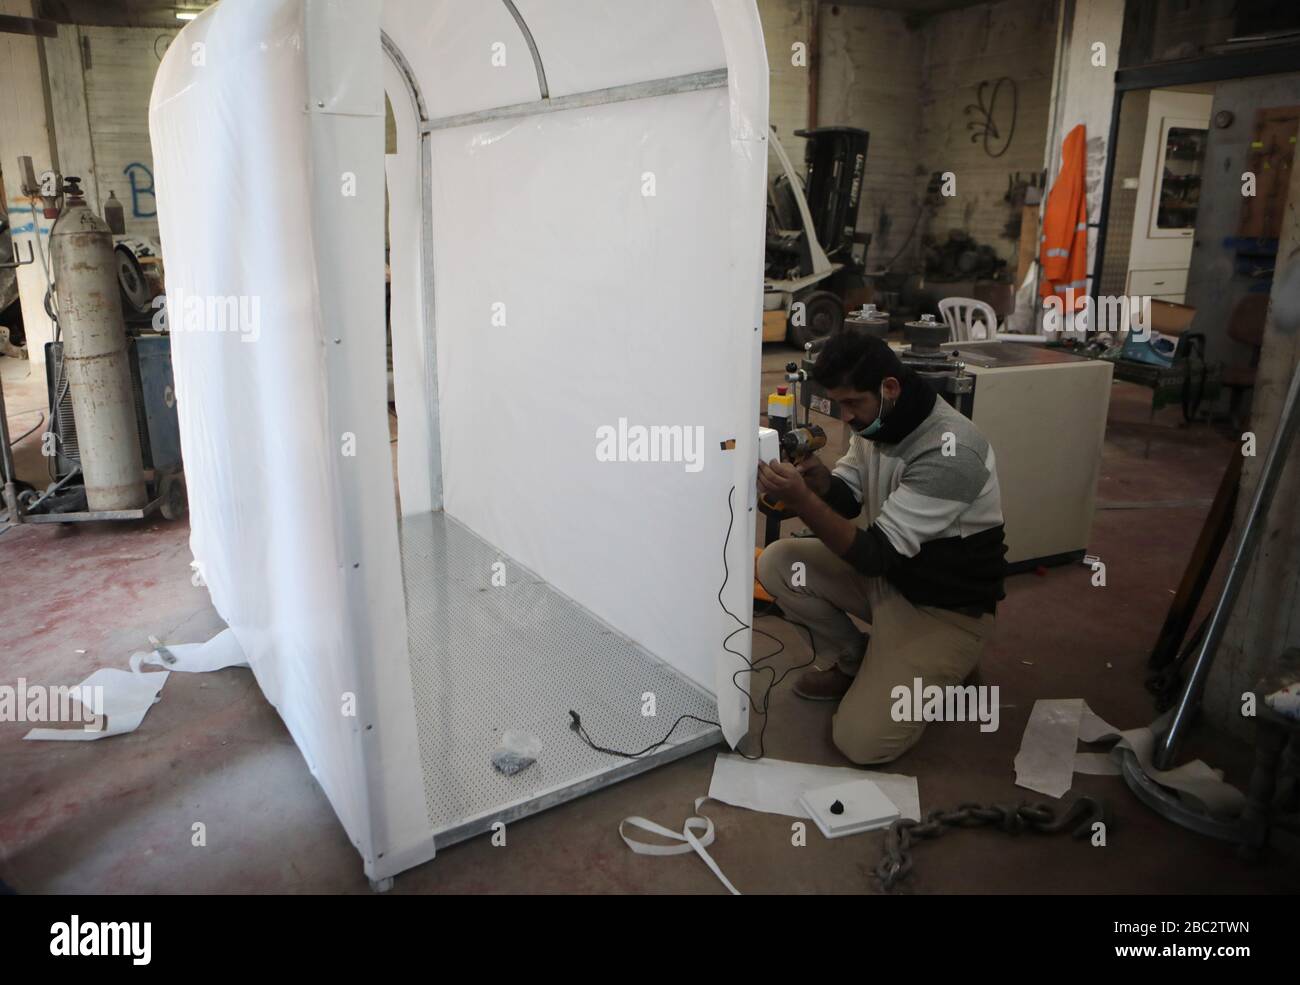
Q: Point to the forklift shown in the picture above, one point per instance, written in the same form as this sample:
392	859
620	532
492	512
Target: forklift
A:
813	272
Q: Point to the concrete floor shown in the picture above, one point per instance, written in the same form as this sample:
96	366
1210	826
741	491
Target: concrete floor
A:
117	815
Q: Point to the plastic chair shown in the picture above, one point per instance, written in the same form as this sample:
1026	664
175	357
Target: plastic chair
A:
963	315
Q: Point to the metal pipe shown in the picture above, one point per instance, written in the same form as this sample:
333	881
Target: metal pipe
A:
35	504
1270	474
692	82
407	73
814	62
427	286
1103	226
7	460
542	88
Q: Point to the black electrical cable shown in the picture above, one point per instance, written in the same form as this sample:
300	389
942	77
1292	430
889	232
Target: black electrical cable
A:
751	666
55	426
916	222
50	310
575	723
35	427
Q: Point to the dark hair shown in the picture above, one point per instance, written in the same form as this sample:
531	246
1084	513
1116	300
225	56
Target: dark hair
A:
857	360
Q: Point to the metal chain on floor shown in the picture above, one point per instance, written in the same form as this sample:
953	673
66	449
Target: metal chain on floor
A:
896	858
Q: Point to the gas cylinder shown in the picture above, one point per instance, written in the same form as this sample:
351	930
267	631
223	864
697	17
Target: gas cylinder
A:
95	356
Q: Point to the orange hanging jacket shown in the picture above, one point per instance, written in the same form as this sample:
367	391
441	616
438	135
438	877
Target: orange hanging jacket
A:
1064	250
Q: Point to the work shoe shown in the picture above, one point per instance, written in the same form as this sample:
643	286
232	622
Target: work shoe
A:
823	685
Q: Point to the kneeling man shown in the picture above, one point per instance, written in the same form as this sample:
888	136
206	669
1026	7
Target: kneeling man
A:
907	536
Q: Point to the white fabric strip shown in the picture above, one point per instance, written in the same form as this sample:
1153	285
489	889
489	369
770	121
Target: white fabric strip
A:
123	698
222	651
691	843
120	701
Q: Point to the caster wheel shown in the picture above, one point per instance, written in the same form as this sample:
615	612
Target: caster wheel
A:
823	315
175	503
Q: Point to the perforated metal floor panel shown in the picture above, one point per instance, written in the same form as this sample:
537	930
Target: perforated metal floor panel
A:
486	658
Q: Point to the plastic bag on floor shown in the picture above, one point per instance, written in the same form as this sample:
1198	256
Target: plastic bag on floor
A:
516	751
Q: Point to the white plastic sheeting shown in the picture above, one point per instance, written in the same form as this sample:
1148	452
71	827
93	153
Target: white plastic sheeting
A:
557	273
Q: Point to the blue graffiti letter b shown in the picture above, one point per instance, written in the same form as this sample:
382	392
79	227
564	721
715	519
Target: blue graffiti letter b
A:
141	184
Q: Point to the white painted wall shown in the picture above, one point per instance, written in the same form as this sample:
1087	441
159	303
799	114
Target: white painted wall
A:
786	23
118	80
67	99
1013	39
23	131
870	77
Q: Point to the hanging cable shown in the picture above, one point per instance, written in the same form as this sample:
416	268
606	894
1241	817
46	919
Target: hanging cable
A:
751	666
29	432
912	232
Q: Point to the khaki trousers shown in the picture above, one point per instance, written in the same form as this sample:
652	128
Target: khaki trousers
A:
816	587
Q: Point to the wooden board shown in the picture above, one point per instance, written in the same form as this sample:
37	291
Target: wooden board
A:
1272	150
774	325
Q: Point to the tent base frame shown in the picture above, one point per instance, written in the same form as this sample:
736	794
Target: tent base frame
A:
493	648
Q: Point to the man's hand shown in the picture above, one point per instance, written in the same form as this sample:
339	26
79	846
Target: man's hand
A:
782	481
817	475
786	483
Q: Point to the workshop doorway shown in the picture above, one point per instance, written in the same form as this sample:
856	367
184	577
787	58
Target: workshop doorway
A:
1191	222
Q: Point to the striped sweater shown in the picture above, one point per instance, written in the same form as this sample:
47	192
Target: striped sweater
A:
929	507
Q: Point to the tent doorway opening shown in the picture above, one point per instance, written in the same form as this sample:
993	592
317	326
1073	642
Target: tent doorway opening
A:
494	648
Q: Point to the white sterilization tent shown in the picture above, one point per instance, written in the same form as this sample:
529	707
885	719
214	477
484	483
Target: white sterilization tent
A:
575	209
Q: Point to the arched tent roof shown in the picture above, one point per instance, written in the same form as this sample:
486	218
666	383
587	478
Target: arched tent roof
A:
479	57
576	235
529	51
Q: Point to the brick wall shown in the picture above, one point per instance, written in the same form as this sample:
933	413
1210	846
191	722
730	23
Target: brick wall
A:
1015	39
908	86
